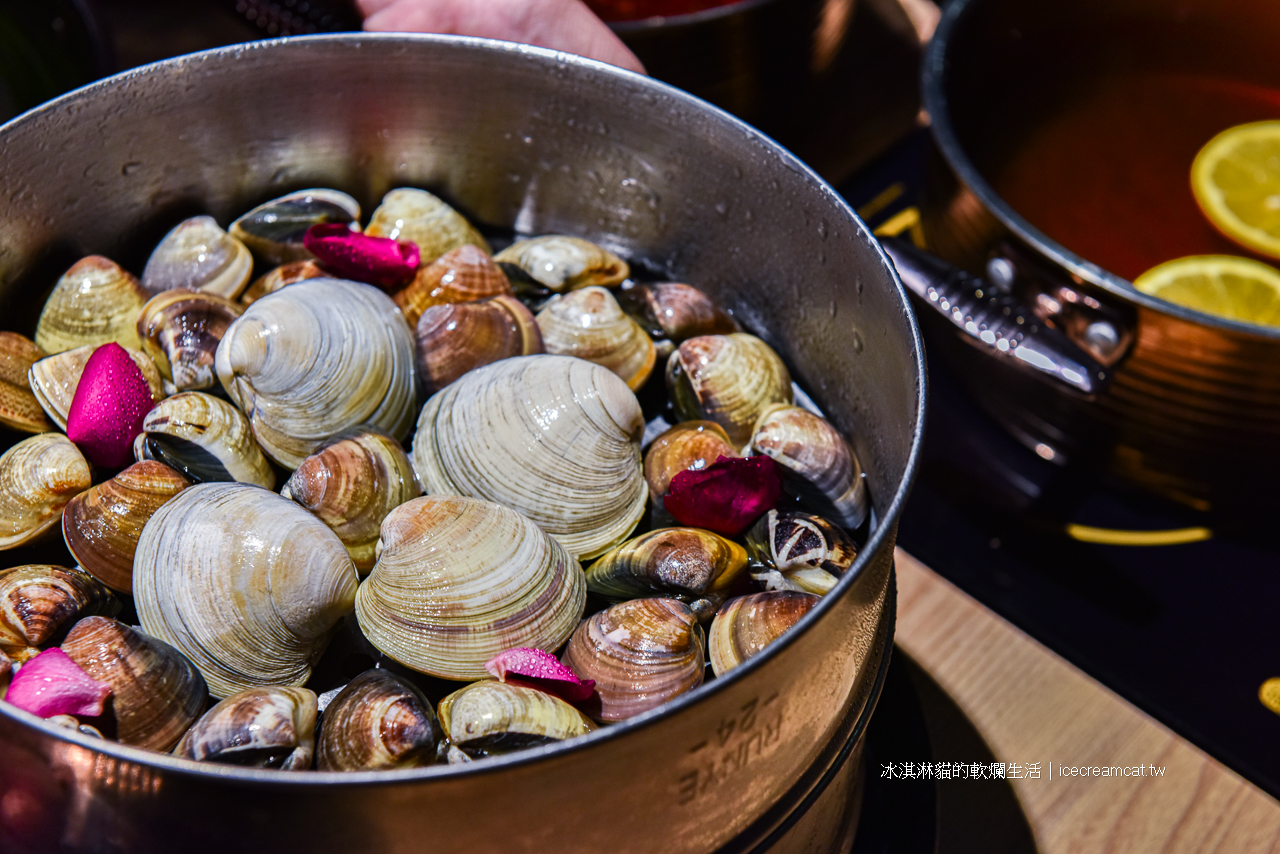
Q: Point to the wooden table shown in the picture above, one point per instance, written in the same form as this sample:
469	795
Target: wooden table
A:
1029	705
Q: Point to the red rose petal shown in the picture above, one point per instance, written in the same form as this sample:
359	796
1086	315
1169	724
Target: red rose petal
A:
378	261
108	407
52	684
536	668
727	496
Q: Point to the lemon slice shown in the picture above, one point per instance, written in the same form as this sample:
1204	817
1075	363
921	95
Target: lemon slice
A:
1236	181
1237	288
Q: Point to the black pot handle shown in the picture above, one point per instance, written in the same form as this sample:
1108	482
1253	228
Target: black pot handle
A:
994	320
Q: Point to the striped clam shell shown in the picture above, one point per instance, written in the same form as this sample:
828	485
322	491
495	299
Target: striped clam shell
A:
561	263
458	337
198	255
246	584
460	275
101	525
38	476
205	438
19	408
351	483
282	276
274	230
817	463
555	438
492	718
688	445
37	601
744	626
379	720
180	331
589	324
799	551
316	358
728	379
640	653
271	727
419	217
95	302
460	580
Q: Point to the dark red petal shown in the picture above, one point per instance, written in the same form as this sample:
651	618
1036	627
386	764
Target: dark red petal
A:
536	668
727	496
52	684
109	405
351	255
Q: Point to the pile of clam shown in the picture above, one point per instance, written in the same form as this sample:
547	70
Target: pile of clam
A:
395	501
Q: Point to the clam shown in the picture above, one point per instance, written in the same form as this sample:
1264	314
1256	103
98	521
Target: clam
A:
38	476
746	625
157	693
94	302
379	720
246	584
256	728
351	483
799	551
198	255
19	408
205	438
101	526
553	437
420	217
493	718
72	722
455	338
274	230
672	312
37	601
459	580
278	277
689	564
317	358
588	324
688	445
728	379
817	463
54	379
560	263
640	653
180	331
462	274
6	673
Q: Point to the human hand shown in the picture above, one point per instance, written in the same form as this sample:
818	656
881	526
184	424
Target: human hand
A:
566	25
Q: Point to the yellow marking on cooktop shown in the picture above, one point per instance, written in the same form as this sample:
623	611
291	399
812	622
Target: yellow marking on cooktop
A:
1114	537
1269	694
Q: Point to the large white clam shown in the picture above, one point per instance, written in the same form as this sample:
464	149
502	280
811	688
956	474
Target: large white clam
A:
245	583
317	358
554	437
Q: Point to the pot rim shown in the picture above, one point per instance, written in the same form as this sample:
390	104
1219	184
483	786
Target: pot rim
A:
936	105
887	522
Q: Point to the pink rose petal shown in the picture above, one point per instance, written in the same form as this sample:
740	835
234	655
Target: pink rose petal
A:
378	261
535	668
727	496
52	684
108	407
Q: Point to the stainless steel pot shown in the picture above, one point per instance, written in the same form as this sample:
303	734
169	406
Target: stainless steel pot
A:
1069	357
521	137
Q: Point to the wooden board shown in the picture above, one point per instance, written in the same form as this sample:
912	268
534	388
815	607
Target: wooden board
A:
1030	705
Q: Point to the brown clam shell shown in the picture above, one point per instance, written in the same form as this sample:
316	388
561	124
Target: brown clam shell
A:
54	379
38	476
95	302
157	693
728	379
180	330
277	278
102	525
37	600
257	728
688	445
746	625
800	551
462	274
588	324
351	483
454	338
19	408
676	311
817	463
640	653
379	720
